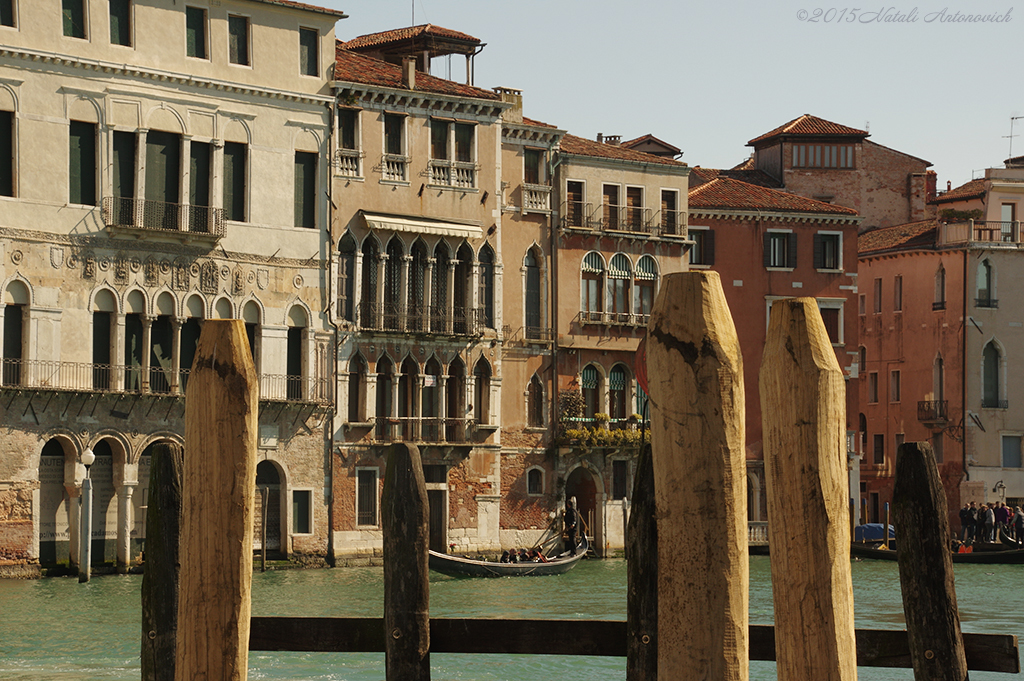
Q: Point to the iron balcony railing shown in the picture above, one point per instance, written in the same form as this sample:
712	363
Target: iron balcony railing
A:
939	305
635	219
118	378
420	429
457	321
157	216
576	214
986	302
611	318
932	410
994	404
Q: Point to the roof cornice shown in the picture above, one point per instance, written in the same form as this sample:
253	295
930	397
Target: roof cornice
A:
379	97
606	162
781	216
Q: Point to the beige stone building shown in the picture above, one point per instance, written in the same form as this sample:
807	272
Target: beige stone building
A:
167	164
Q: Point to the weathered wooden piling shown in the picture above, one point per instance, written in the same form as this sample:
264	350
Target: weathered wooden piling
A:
642	574
697	433
803	400
406	589
221	412
926	566
160	578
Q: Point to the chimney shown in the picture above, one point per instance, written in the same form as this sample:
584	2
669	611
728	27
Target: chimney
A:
409	73
515	98
600	138
613	140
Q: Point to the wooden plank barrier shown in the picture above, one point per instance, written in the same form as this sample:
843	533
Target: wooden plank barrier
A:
221	410
602	638
926	566
804	417
695	372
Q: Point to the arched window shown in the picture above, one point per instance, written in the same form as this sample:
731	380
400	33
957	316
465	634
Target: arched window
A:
618	390
103	319
385	378
393	285
532	301
369	311
535	481
986	285
251	317
455	430
620	275
940	289
356	390
592	286
439	314
939	379
482	398
407	399
296	362
15	323
990	384
591	385
347	278
415	303
430	401
463	290
645	287
487	286
535	403
862	426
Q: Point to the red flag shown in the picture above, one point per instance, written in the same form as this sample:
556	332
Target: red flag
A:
640	364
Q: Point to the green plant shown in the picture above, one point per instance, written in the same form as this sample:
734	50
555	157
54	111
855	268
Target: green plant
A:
570	404
953	215
602	419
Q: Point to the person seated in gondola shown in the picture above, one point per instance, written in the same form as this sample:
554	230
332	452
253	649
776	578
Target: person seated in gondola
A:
504	556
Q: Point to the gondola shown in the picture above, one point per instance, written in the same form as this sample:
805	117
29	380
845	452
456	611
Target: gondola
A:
1007	557
456	566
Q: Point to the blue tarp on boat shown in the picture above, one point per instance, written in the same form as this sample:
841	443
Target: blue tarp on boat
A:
872	532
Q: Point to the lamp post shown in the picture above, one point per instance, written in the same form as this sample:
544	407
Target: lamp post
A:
88	458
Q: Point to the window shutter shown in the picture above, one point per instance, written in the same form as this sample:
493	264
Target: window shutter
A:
819	252
709	247
767	249
791	250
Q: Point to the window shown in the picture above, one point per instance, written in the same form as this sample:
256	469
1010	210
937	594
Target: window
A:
163	180
862	304
451	141
635	209
670	222
986	285
440	314
464	142
238	40
195	32
575	210
74	18
832	318
937	448
862	360
533	291
535	403
619	277
347	278
532	163
618	387
415	302
873	386
780	249
610	203
592	289
879	449
235	184
990	378
878	296
482	374
200	181
121	22
535	481
620	482
644	287
900	439
486	293
305	189
309	64
940	289
897	293
828	251
823	156
393	283
894	386
302	511
393	124
347	162
591	388
366	496
6	153
7	13
82	164
1011	451
14	323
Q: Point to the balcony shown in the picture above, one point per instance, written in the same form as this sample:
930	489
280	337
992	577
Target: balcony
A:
630	219
986	302
611	318
143	216
939	305
669	223
991	231
576	215
536	198
113	378
932	413
416	429
346	162
994	404
445	173
528	335
393	167
445	321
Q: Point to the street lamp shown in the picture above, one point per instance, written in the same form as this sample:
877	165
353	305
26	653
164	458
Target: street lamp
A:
88	458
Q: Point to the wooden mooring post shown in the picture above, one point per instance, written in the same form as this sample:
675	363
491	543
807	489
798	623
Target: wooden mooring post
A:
926	566
642	574
695	373
803	400
219	486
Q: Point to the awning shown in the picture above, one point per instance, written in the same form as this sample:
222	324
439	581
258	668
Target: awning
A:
419	225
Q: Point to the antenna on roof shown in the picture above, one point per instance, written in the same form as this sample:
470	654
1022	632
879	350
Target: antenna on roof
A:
1011	135
413	3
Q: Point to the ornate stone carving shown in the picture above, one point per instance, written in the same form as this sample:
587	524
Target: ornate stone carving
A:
89	266
120	271
56	257
152	272
238	282
209	277
181	278
262	279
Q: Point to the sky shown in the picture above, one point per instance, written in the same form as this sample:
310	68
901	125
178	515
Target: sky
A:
709	77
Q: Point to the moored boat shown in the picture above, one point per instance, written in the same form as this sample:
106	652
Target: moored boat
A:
457	566
1007	557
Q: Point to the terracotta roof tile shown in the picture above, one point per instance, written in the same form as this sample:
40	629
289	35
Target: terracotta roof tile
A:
809	125
571	144
727	193
400	34
530	121
650	138
748	175
910	235
310	8
975	189
357	68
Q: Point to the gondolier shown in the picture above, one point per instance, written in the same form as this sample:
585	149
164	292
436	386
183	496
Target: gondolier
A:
571	521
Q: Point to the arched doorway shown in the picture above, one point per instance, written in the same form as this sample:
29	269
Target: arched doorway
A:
582	484
54	509
268	507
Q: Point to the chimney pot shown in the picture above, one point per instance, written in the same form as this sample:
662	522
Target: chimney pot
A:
409	73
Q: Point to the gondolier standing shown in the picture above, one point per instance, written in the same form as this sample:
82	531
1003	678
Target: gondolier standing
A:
570	522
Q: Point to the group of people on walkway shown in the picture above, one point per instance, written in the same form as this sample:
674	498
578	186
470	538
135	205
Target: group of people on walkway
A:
985	522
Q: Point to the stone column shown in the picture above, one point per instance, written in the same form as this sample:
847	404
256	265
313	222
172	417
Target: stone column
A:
117	361
381	265
428	293
357	289
449	318
403	294
175	355
125	522
147	349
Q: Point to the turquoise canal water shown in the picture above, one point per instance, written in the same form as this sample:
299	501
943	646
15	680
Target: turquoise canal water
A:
60	630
